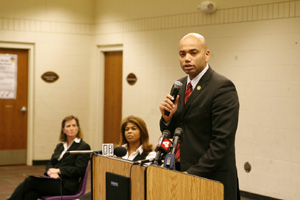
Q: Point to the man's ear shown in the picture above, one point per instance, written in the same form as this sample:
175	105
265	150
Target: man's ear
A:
207	54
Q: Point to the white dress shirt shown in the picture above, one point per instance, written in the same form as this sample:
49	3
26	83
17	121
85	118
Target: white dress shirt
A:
138	151
77	140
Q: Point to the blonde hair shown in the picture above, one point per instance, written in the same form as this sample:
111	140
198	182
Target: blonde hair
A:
63	136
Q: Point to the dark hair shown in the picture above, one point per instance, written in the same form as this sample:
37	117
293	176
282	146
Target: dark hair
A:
63	136
143	129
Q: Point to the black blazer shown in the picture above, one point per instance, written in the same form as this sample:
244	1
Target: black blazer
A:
209	121
72	166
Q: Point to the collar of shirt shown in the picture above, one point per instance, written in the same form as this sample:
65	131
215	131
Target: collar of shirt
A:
138	151
195	81
76	140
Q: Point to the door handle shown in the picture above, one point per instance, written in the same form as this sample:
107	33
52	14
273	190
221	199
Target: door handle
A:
23	109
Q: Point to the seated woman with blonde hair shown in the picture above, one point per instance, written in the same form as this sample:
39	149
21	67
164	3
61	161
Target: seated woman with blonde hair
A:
135	138
63	170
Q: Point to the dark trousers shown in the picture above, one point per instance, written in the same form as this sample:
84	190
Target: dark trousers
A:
33	188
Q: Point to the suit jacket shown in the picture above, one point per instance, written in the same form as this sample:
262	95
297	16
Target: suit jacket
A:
72	166
209	121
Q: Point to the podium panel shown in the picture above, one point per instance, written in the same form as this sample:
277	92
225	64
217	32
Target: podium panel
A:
167	184
103	164
153	182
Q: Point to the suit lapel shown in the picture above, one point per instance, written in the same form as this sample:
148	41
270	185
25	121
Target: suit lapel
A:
74	146
196	91
60	150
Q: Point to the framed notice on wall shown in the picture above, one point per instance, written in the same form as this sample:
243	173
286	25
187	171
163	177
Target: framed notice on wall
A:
8	76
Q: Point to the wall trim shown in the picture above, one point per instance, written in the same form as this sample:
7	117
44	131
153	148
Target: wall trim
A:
39	162
271	11
99	107
30	25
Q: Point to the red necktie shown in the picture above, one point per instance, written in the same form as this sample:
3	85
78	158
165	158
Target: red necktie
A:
177	153
188	92
187	95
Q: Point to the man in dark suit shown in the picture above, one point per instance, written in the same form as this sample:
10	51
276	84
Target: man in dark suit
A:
208	116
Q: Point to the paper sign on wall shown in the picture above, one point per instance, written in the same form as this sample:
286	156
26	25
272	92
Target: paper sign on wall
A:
8	76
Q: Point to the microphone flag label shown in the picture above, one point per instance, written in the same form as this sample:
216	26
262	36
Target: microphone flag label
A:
108	149
166	144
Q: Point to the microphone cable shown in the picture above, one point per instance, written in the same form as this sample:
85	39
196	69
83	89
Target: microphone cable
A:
60	186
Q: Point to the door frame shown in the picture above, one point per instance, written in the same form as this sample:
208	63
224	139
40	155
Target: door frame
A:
101	49
30	116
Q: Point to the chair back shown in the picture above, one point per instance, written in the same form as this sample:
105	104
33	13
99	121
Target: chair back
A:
83	182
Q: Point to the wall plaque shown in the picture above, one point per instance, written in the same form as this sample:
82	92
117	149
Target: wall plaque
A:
247	167
49	77
131	79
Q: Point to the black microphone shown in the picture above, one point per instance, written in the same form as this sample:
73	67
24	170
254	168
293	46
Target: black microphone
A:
118	151
162	146
170	158
174	92
177	135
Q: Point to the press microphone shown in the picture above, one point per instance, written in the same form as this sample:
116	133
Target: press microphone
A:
177	135
118	151
162	146
171	158
174	92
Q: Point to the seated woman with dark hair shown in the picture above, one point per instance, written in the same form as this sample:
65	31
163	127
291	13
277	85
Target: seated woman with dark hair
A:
135	138
64	170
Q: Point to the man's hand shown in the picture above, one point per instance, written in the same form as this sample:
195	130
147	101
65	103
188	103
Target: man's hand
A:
168	105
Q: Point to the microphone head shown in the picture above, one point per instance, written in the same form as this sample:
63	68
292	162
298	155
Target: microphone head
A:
177	84
178	132
120	151
165	145
167	133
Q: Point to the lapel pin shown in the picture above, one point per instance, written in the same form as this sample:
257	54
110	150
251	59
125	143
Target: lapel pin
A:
198	87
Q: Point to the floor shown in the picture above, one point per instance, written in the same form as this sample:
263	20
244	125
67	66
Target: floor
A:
11	176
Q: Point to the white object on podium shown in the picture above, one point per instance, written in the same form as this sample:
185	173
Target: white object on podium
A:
108	149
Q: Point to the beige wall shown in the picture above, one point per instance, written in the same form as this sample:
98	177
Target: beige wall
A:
254	43
60	34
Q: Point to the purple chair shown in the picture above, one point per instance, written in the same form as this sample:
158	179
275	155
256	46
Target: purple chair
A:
81	189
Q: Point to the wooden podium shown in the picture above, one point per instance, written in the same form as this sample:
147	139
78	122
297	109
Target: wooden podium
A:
168	184
103	164
152	182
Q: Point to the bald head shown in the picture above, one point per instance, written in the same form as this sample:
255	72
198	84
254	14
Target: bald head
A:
197	36
193	54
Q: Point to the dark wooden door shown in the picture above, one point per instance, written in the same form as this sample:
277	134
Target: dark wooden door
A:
13	112
113	96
